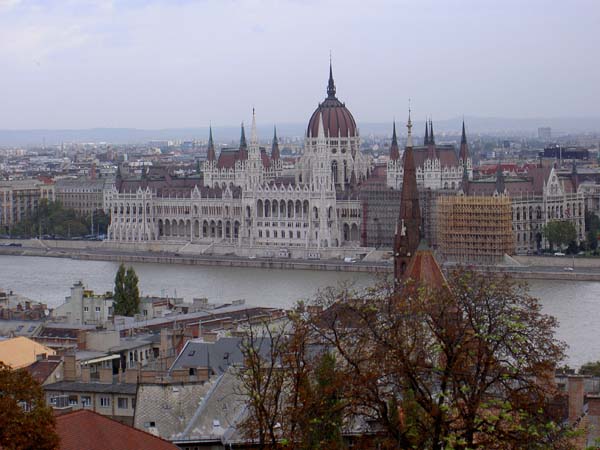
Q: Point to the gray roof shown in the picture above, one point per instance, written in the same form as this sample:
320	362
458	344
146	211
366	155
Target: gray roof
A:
170	407
129	322
19	327
100	388
128	343
218	414
217	355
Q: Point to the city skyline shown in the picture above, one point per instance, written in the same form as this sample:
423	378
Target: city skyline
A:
155	65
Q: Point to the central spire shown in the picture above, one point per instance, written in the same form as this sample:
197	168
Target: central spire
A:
331	84
211	156
408	228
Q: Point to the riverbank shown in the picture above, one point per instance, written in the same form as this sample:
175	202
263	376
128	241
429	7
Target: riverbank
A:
527	268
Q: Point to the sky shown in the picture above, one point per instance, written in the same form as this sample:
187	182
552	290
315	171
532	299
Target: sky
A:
185	63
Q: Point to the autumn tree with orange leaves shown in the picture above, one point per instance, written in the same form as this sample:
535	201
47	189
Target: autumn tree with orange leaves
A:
26	422
467	365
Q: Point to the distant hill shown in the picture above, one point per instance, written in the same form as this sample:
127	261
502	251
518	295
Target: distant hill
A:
491	125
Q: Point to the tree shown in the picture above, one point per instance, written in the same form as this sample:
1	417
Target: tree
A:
262	384
560	232
468	365
126	297
132	292
592	226
321	395
590	368
51	218
26	422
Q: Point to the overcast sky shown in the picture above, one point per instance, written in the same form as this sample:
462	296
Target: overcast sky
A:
183	63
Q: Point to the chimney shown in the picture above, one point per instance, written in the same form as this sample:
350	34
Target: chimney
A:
575	388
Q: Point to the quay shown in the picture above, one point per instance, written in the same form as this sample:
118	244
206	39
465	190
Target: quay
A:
526	267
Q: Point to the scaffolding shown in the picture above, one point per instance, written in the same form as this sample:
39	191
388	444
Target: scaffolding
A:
474	230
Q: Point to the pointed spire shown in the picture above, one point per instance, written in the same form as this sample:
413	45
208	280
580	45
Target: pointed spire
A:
431	151
210	154
426	138
408	228
321	130
464	148
243	153
409	142
275	146
330	84
253	133
394	151
243	143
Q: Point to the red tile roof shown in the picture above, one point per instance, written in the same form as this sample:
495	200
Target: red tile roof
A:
85	429
425	270
41	370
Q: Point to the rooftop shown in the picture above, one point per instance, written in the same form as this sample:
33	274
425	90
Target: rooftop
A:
85	429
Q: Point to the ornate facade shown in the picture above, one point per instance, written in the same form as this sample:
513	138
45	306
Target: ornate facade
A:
437	166
537	198
244	197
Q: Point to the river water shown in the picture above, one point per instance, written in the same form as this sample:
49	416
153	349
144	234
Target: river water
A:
575	304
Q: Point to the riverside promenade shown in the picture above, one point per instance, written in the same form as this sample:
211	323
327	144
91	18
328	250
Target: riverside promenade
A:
525	267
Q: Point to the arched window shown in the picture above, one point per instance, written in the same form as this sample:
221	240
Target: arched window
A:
334	171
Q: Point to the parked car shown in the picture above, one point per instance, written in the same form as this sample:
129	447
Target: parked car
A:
559	254
568	269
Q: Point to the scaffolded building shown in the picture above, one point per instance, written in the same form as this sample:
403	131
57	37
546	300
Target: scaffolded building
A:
474	229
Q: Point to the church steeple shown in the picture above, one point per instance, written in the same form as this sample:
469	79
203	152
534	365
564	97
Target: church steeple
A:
464	149
426	138
330	84
275	146
408	228
431	137
210	154
394	151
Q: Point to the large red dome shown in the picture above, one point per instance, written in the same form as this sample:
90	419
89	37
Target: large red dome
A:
337	119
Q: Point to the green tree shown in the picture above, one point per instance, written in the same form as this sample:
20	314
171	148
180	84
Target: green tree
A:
120	293
132	292
560	233
592	226
590	368
26	422
323	407
126	297
53	219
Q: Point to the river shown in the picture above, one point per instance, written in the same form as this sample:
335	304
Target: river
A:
575	304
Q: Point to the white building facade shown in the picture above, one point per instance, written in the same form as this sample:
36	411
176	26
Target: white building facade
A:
246	198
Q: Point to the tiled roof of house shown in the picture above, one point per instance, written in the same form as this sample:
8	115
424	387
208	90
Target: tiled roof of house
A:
85	429
41	370
156	405
21	351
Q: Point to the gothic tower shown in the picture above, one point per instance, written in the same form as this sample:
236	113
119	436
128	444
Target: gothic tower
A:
408	228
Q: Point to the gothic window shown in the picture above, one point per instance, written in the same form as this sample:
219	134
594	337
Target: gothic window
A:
334	171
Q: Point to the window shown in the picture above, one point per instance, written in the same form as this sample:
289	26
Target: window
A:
86	309
122	402
104	402
73	400
97	309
